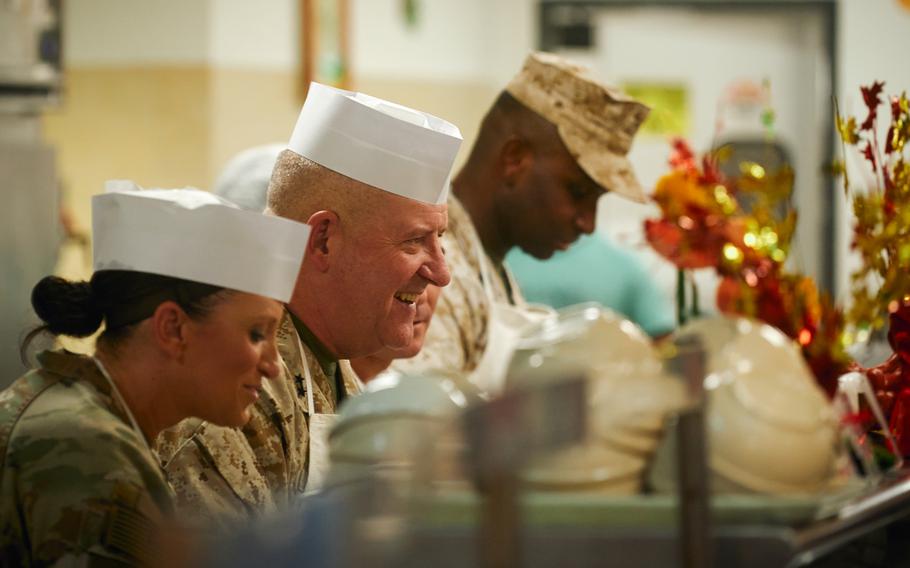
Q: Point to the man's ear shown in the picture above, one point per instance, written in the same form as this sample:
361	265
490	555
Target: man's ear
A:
169	328
324	230
515	157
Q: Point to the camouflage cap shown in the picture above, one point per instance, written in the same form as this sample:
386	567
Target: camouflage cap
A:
596	123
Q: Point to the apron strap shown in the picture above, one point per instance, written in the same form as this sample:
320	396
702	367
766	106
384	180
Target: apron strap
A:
487	276
484	271
308	377
515	296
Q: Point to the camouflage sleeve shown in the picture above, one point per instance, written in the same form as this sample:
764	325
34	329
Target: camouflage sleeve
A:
223	476
216	478
87	497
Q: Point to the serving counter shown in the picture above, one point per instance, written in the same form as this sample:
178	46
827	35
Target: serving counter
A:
843	529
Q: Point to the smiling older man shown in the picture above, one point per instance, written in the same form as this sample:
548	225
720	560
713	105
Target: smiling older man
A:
370	178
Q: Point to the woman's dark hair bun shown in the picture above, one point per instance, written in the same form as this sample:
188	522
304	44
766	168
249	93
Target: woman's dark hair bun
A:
67	308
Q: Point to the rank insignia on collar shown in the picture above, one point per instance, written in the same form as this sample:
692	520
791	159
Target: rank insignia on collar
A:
300	383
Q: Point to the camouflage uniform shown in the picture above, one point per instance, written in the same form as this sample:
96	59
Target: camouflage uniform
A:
350	377
77	483
457	334
225	475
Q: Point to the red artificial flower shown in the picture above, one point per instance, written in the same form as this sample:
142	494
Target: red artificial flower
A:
886	376
729	294
885	400
694	247
863	418
871	97
900	421
711	173
899	332
761	298
869	154
887	379
683	158
826	370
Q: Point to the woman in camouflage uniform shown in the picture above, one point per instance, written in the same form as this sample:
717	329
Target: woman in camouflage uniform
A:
78	479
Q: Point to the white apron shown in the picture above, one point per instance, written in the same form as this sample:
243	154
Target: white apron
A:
319	427
505	324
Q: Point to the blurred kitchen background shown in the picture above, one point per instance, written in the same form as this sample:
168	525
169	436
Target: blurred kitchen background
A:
166	92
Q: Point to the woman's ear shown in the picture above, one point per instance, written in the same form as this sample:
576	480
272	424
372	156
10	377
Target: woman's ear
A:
169	328
324	230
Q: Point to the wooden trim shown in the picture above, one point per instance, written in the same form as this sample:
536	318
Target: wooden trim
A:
308	45
310	30
344	42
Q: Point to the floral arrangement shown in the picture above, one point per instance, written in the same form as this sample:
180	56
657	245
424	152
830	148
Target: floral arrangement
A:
881	234
703	226
880	287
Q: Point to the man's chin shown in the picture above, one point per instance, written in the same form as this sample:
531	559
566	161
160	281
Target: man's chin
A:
540	251
411	350
399	340
543	254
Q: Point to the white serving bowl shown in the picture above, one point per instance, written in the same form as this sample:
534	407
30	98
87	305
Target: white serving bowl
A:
772	437
638	403
594	335
629	396
401	422
589	339
747	345
770	427
661	475
391	437
593	466
662	471
714	332
633	442
390	393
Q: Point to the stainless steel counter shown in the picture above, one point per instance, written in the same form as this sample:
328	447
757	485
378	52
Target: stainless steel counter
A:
739	543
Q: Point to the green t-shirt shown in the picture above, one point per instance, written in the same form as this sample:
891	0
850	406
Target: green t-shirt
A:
595	269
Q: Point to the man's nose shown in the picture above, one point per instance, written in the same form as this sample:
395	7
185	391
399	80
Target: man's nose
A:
435	269
586	219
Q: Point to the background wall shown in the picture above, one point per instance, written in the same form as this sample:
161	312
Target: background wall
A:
253	89
452	62
166	92
874	40
702	53
137	110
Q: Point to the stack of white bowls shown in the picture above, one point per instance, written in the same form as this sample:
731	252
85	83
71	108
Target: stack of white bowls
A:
770	427
402	427
629	397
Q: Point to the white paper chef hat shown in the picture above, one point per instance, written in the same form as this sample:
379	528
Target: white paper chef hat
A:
195	235
380	143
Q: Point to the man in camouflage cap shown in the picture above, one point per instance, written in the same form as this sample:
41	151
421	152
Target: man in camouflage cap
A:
551	145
